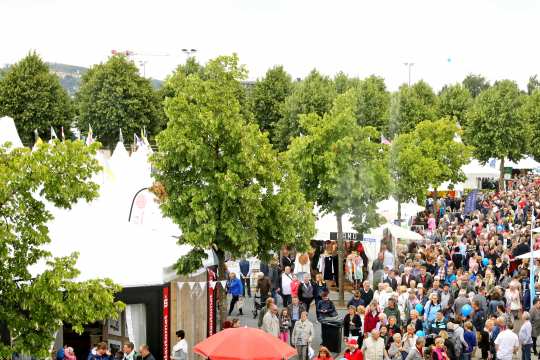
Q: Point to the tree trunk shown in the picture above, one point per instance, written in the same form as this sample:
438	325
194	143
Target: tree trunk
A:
341	258
222	305
501	175
399	212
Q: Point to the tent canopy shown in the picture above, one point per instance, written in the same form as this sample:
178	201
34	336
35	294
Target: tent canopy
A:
8	132
398	232
388	209
476	169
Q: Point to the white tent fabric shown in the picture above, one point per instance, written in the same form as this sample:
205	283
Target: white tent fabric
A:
136	253
8	132
536	255
526	163
388	209
397	232
327	223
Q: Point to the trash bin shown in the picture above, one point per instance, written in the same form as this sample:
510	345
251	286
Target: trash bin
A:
332	335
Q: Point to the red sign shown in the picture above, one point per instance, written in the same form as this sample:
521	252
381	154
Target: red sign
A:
166	323
211	326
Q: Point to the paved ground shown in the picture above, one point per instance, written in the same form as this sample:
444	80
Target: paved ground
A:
247	318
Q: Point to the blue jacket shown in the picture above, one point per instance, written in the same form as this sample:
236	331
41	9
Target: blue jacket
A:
470	338
235	287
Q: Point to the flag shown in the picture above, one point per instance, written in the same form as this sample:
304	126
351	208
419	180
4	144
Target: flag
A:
138	142
89	137
38	139
53	136
470	202
121	137
62	134
492	163
143	138
385	141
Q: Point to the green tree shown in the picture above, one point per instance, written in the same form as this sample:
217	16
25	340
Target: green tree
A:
531	112
373	103
33	307
454	101
222	181
533	84
342	168
268	96
34	98
114	96
410	106
427	156
496	125
343	82
313	94
475	84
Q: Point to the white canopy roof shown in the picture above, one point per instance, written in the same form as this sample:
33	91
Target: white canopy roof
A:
526	163
536	255
476	169
8	132
135	253
398	232
388	209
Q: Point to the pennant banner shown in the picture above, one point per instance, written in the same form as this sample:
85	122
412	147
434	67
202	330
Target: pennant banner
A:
180	284
212	284
223	283
191	284
203	285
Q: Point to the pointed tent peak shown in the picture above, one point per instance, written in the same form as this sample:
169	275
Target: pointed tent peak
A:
119	152
90	136
9	133
120	136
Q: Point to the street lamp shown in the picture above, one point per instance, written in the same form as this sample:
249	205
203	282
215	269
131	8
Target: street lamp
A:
189	52
409	65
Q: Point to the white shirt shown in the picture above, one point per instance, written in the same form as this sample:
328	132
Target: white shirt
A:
181	345
507	341
286	280
388	259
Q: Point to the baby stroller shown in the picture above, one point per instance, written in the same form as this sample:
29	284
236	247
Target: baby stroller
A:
257	304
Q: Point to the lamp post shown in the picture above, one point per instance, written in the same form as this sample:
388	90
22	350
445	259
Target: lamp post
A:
189	52
409	65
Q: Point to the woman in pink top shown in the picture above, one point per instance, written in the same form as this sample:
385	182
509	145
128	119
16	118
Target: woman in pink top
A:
431	223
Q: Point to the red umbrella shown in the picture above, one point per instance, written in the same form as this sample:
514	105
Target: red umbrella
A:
244	344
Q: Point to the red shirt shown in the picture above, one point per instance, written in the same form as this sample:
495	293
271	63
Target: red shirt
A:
356	355
370	322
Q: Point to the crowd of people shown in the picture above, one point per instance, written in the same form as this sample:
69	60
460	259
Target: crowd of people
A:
460	293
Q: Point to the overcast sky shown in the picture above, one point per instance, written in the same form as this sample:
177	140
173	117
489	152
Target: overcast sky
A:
445	39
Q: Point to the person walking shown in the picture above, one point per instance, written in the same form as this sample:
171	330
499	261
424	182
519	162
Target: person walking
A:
145	352
352	323
306	291
417	352
506	343
129	351
264	286
535	322
302	336
285	287
245	275
374	347
235	289
285	325
470	338
271	321
296	308
525	336
180	350
353	352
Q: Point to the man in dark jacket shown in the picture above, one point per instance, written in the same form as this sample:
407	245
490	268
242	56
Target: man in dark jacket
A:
366	293
102	352
306	291
245	274
145	353
478	317
274	274
325	308
263	287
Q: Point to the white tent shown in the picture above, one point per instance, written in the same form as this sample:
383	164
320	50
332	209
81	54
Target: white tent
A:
535	254
388	209
397	232
527	163
327	223
8	132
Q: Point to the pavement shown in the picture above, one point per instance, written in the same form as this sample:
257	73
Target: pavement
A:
247	318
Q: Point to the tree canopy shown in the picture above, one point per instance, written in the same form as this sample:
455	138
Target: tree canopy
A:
531	112
410	106
454	101
267	98
313	94
32	307
496	125
533	84
34	98
224	183
114	96
373	102
343	169
475	84
427	156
